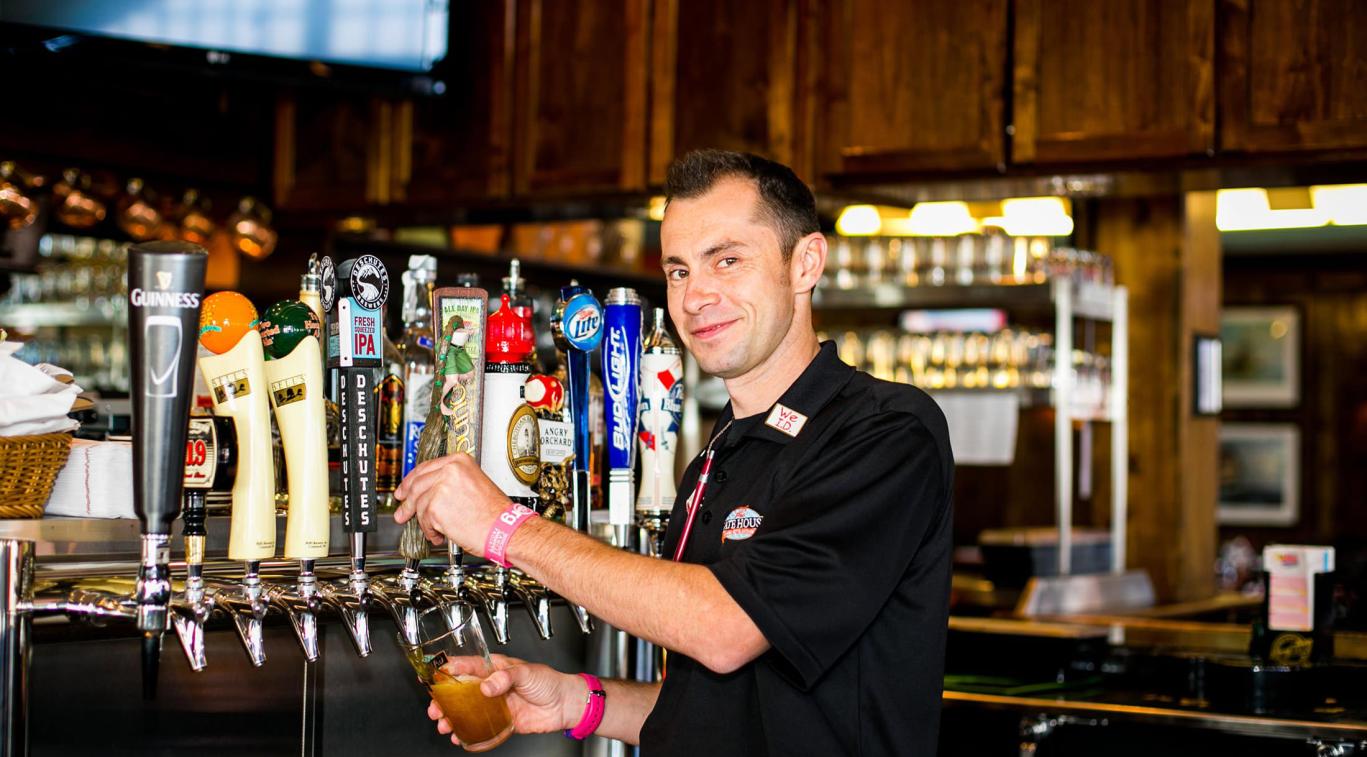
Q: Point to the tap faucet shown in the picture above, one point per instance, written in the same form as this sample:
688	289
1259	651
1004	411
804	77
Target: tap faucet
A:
301	604
537	601
245	603
350	598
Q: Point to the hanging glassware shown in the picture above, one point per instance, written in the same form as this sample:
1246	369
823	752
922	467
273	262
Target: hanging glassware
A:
76	206
138	216
251	231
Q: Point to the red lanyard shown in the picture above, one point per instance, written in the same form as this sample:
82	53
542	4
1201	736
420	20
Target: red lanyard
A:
699	489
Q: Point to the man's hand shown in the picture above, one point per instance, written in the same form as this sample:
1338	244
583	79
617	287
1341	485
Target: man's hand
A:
541	699
452	499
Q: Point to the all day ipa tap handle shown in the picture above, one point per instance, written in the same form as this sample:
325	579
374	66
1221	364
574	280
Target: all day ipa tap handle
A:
292	336
236	378
165	289
459	316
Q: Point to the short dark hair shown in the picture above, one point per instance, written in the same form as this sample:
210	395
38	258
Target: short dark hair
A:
785	202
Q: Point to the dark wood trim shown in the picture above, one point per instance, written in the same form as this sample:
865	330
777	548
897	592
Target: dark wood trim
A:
664	62
1197	137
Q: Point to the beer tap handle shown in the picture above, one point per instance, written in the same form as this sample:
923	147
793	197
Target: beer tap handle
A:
165	286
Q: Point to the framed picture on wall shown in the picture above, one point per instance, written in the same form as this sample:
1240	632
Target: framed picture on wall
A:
1261	350
1260	476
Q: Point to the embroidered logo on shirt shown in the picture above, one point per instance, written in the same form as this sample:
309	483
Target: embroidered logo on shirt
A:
741	524
786	419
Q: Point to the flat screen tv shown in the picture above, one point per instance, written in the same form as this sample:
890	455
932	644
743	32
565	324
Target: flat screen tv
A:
399	35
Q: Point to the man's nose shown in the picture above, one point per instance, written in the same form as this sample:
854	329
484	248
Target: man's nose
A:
700	292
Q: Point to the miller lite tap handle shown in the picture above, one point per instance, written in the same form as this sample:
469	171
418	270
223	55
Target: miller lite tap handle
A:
354	298
578	328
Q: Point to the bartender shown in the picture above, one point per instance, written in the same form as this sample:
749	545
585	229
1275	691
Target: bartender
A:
806	608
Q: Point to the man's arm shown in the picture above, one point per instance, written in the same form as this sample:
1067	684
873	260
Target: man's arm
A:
677	606
628	705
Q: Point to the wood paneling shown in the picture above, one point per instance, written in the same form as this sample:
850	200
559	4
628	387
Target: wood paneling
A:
331	151
911	86
1172	272
1114	80
1292	74
723	75
581	96
1330	293
459	145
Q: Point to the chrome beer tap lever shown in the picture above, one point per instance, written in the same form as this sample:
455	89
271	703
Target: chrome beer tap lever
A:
351	598
405	596
537	601
492	588
245	603
301	603
189	612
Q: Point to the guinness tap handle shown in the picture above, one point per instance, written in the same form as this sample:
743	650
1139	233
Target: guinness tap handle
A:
165	287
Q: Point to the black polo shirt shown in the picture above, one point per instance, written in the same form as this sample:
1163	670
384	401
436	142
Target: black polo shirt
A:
836	543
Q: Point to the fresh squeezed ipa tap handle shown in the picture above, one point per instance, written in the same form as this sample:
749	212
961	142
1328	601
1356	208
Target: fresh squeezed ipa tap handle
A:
165	287
354	349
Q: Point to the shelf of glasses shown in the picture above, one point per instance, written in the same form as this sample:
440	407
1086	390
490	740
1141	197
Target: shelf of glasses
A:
1090	300
40	314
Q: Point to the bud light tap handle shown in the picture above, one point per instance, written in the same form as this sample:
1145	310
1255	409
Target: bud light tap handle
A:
622	318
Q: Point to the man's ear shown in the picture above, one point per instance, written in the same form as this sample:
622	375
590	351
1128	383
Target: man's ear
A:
808	263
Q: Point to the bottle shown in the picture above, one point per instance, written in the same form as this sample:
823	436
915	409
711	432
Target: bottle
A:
311	284
416	348
389	403
661	409
510	452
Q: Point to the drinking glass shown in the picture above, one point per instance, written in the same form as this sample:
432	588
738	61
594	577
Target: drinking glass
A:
452	660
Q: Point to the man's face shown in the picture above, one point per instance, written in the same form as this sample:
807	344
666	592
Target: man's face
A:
729	289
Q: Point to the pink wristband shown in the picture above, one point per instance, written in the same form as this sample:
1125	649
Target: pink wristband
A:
594	707
496	543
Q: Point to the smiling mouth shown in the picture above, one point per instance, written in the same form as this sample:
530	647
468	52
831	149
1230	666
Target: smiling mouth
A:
707	332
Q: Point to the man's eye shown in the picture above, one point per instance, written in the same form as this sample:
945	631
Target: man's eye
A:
726	262
676	274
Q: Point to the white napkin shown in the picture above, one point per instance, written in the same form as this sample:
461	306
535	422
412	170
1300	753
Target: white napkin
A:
32	400
97	481
982	425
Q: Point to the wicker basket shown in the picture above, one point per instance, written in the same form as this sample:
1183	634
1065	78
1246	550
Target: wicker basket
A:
28	467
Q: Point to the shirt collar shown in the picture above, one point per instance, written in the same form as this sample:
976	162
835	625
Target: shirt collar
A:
823	378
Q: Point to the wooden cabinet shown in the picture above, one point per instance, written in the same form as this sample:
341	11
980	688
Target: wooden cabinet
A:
1292	74
723	75
580	104
910	86
458	146
330	152
1113	80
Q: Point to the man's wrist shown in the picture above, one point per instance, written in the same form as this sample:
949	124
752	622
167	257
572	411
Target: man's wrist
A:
574	692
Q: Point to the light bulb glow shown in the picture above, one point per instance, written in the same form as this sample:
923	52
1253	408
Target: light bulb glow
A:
859	221
941	219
